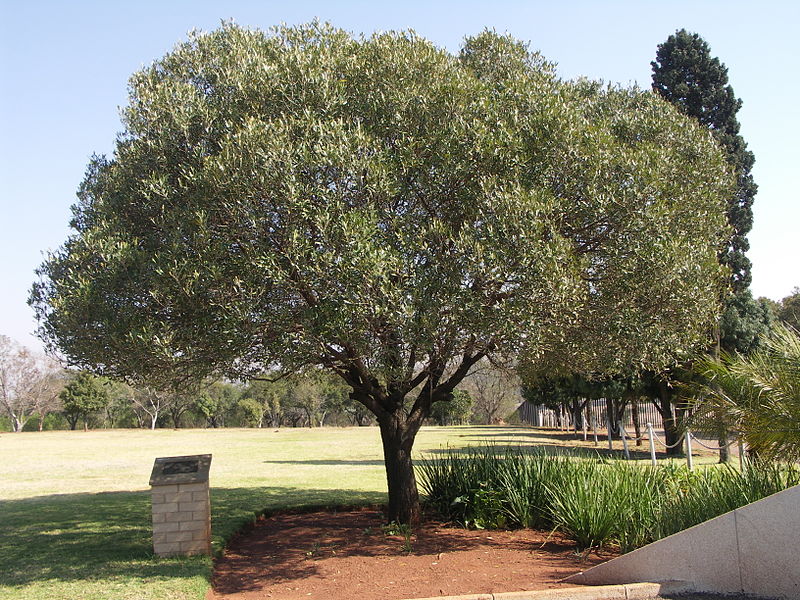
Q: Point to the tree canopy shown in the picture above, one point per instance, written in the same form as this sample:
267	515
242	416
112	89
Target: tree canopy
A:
390	212
685	74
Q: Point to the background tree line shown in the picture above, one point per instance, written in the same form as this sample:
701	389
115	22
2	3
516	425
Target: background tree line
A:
38	394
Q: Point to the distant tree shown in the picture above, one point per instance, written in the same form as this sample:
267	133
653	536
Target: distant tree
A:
789	311
388	211
307	397
48	396
84	396
771	305
29	384
253	411
336	397
263	400
495	393
120	407
569	394
216	402
150	403
456	411
181	403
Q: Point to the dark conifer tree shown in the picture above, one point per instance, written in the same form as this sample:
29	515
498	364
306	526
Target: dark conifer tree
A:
685	74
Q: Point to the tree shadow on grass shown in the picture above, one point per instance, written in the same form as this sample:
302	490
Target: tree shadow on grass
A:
352	463
107	536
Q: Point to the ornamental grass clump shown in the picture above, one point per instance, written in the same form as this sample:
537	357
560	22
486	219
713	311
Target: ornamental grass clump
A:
596	502
581	502
639	494
592	500
523	478
697	496
460	485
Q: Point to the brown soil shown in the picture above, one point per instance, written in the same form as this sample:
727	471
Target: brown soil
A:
347	556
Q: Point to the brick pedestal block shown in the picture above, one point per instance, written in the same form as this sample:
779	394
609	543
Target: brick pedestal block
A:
181	505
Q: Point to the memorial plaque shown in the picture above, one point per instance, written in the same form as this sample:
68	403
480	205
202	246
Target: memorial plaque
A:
180	469
181	505
180	466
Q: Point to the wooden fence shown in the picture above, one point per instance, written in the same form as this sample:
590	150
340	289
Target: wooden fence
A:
595	412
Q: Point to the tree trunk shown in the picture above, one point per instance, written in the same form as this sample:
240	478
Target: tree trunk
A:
153	419
398	440
724	455
637	426
611	422
16	424
668	418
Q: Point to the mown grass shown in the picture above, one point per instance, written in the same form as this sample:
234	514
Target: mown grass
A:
595	500
74	506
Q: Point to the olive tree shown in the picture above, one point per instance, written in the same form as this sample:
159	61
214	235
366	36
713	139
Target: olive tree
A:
388	211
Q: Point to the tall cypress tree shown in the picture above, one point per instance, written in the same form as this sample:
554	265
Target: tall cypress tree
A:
686	74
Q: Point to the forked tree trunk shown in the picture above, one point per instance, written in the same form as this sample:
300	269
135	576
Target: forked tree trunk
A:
398	440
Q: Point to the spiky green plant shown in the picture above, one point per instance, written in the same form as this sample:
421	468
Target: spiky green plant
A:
756	395
593	501
697	496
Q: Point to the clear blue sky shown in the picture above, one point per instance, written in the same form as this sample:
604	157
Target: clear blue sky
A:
64	68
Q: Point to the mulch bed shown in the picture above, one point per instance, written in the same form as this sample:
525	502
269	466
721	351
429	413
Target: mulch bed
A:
347	556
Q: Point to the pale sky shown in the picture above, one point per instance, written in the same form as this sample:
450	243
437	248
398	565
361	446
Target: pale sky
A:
64	68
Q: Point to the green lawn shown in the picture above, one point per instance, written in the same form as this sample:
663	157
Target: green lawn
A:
74	506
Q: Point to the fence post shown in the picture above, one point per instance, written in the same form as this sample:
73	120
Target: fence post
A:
652	444
742	461
624	437
689	461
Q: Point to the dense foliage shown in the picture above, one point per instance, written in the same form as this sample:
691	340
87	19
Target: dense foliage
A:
757	396
685	74
387	211
594	501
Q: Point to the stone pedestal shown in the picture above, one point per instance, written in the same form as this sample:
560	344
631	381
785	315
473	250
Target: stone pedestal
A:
181	505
